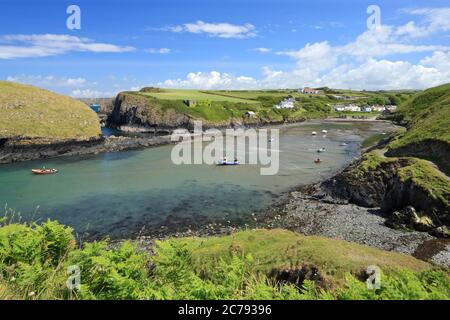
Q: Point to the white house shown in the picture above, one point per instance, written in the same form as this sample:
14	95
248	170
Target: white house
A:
366	109
347	108
307	90
286	104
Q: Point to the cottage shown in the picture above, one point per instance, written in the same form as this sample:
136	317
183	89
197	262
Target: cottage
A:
366	109
286	104
307	90
250	114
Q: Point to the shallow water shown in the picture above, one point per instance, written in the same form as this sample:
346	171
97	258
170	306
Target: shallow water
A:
121	194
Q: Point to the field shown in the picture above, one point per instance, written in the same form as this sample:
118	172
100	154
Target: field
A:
30	112
172	94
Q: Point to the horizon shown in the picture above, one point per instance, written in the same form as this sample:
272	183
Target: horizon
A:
225	46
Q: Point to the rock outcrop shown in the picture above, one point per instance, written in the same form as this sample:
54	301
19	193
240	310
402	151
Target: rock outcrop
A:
404	199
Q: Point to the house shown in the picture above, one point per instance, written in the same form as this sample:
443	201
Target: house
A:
347	108
308	90
378	108
366	109
391	108
250	114
286	104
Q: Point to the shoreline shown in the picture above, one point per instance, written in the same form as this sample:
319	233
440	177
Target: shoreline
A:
11	152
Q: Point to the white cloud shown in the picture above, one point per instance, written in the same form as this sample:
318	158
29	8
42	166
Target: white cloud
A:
433	20
47	81
43	45
210	80
262	50
221	30
89	93
160	51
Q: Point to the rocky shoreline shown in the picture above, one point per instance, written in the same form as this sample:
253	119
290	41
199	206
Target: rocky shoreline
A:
18	152
302	210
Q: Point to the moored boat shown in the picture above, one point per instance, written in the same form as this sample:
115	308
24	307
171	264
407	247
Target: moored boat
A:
44	171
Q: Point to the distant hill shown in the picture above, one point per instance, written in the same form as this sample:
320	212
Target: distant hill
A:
31	112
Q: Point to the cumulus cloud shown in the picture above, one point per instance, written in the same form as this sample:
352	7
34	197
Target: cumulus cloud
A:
42	45
210	80
221	30
363	63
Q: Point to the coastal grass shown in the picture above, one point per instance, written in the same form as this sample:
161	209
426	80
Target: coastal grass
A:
427	115
278	249
221	106
34	260
30	112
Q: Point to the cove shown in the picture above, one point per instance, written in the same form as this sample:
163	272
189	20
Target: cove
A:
139	192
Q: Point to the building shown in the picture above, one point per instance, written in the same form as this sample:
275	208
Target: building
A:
347	108
308	90
250	114
286	104
366	109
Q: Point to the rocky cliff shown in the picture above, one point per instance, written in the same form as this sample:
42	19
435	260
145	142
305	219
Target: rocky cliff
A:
411	192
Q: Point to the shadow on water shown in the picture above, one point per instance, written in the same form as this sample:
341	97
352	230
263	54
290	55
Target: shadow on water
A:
188	206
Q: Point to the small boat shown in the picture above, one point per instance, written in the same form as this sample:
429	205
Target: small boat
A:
271	140
324	131
44	171
321	150
314	133
317	161
343	144
228	163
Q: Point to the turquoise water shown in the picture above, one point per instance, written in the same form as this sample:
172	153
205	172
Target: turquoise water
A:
121	194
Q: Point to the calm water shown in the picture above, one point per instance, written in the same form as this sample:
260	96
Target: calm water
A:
120	194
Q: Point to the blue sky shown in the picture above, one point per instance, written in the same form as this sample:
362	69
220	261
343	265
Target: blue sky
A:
125	45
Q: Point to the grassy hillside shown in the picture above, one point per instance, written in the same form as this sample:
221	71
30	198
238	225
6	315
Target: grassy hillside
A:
246	265
427	115
222	106
27	111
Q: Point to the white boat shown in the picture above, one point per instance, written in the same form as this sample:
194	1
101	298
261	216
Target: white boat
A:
343	144
314	133
324	131
321	150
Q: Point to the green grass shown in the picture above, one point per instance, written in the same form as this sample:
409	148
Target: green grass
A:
284	249
428	117
222	106
34	261
27	111
177	94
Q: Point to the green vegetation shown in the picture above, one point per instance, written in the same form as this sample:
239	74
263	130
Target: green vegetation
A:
30	112
34	261
221	106
427	116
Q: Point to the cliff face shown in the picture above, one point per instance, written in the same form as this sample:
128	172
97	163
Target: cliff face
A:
400	186
138	111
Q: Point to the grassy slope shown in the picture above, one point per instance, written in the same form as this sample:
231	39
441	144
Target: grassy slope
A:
36	113
225	105
283	249
428	117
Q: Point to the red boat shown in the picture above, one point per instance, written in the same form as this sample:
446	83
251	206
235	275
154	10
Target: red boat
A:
44	171
317	161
